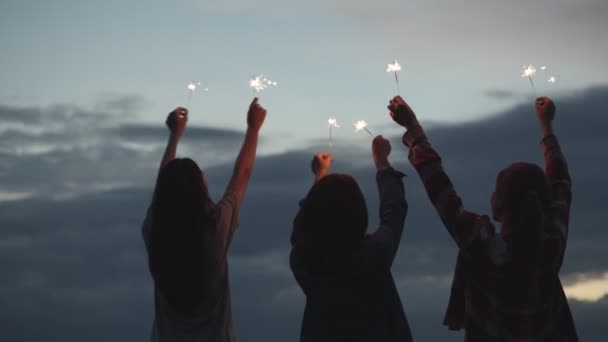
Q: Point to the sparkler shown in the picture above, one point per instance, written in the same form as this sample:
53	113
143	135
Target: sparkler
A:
191	89
552	79
529	71
332	122
394	68
362	124
260	83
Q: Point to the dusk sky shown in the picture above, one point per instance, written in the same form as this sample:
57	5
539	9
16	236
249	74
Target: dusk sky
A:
85	87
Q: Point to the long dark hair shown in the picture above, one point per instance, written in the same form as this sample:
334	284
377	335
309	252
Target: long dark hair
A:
182	210
522	197
330	225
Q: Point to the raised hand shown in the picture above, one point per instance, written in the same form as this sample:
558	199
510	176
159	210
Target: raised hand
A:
320	164
255	115
545	113
176	121
381	148
401	112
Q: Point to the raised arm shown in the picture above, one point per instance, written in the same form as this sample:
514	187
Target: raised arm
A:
176	122
556	167
464	227
243	166
393	206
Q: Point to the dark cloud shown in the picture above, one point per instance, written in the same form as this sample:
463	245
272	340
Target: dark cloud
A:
500	94
74	266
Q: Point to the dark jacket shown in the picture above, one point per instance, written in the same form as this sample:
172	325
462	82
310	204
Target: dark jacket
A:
365	305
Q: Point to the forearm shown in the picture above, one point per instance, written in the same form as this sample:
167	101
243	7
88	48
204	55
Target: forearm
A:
439	188
381	163
556	169
393	210
170	150
246	158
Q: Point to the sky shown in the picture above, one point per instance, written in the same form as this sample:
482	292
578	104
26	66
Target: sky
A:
85	87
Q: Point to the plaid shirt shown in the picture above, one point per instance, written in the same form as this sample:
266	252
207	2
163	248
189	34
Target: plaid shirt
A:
493	300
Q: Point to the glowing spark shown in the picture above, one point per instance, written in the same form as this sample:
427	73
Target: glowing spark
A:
362	125
552	79
192	86
260	83
543	68
394	68
332	122
529	71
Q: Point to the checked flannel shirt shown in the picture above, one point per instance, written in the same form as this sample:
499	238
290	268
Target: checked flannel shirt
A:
490	299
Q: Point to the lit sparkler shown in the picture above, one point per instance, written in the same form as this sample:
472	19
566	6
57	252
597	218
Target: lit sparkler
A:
260	83
332	122
191	89
394	68
552	79
362	124
529	71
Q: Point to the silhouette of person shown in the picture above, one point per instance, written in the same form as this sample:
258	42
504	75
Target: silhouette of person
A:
506	285
187	237
344	272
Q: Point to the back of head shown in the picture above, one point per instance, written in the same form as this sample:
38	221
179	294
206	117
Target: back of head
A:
330	225
521	198
182	210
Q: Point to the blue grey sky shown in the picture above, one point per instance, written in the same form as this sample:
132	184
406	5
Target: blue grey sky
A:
85	87
328	57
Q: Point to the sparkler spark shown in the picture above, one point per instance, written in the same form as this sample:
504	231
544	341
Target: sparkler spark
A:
191	89
394	68
332	122
552	79
192	86
529	71
362	125
260	83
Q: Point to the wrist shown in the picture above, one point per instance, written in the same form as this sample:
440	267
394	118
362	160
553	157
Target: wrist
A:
381	163
546	129
175	135
253	129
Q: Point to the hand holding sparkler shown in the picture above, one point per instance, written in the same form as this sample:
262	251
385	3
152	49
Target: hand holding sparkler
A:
176	121
545	112
320	165
402	113
255	115
381	148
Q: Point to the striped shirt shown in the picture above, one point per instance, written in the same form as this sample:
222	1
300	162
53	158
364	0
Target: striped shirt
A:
492	299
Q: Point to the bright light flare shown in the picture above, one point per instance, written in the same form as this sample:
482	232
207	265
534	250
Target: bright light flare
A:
552	79
529	71
192	86
359	125
333	122
260	83
362	125
395	67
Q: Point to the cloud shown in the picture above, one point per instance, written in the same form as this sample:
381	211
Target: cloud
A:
74	266
500	94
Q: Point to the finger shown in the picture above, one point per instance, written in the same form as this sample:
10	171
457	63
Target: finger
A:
254	102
